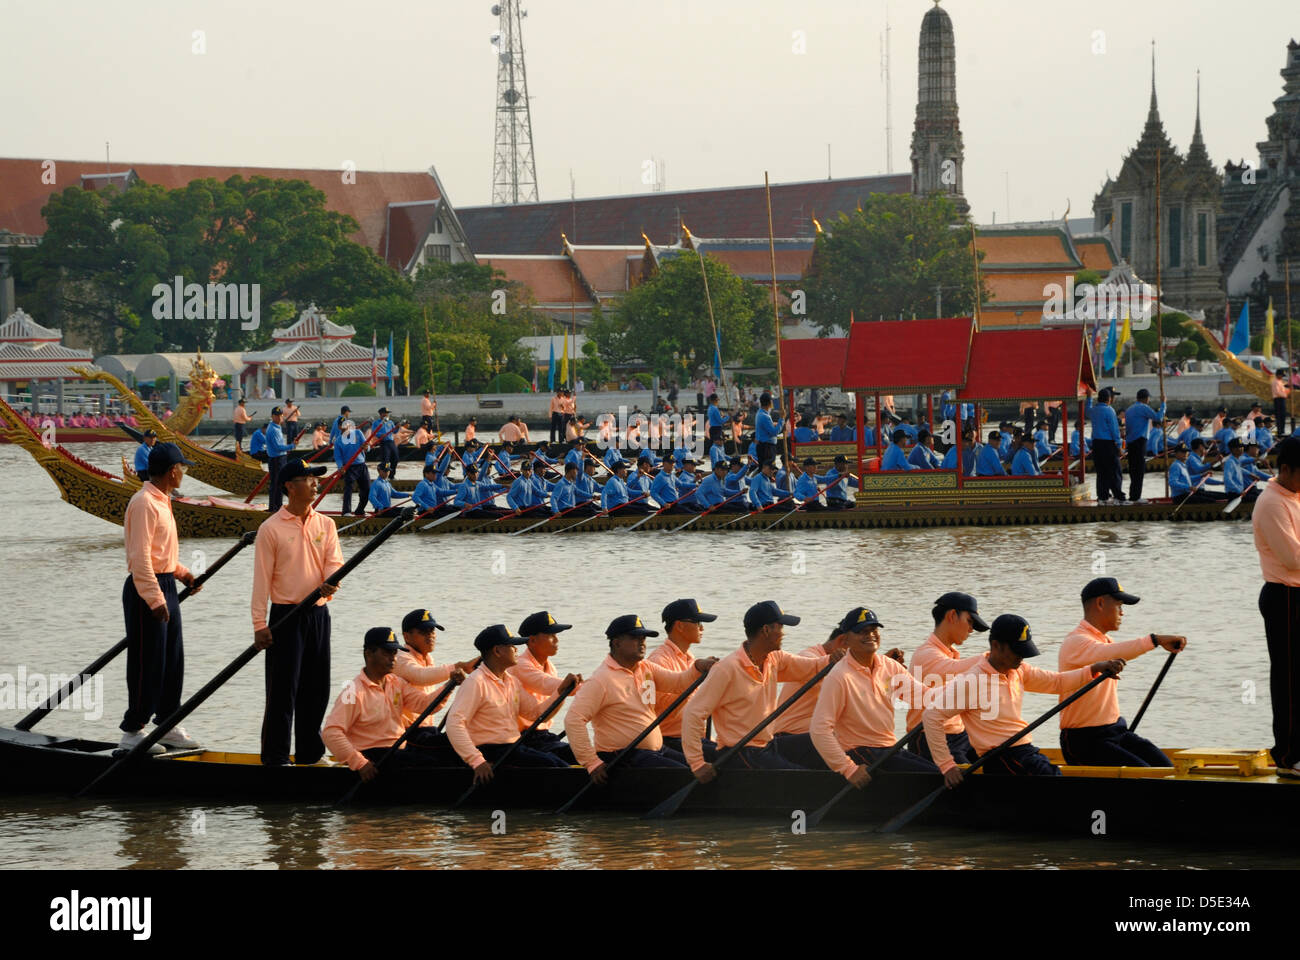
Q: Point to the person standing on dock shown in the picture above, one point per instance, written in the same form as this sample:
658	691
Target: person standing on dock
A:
240	417
277	454
1105	448
1092	731
155	651
1276	521
295	551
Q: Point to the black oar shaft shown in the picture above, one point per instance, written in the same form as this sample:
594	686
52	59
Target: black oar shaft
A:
39	714
1169	662
819	814
190	705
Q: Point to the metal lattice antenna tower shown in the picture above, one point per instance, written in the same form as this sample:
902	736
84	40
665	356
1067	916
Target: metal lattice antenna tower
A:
514	173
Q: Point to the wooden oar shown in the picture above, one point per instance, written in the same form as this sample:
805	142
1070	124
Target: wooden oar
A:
651	516
754	513
463	510
906	817
211	687
1234	504
820	491
541	718
681	698
819	814
406	735
1189	493
669	806
554	516
707	512
603	513
39	714
1169	662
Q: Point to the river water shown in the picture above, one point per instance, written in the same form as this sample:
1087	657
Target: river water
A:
62	579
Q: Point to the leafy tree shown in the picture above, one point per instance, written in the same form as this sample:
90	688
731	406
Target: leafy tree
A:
358	389
446	370
887	259
509	383
592	370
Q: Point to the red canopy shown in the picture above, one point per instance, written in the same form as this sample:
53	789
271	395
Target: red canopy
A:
908	356
1046	364
812	363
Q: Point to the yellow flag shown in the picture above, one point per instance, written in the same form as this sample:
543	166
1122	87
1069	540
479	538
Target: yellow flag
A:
1268	330
564	363
406	363
1125	335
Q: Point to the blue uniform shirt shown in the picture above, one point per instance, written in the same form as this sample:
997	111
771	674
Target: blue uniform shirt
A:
521	495
1188	435
734	482
1105	422
613	494
587	489
336	428
382	495
564	496
923	458
837	484
1264	439
1023	465
804	435
1074	443
275	442
1233	478
142	456
1042	446
1156	440
384	429
987	463
1249	470
612	456
574	456
894	459
843	434
663	489
1139	418
431	494
686	487
710	492
805	487
473	492
1224	437
968	459
257	442
761	492
765	428
716	417
348	444
1180	483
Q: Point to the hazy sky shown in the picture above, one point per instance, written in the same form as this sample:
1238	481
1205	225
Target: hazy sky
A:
713	87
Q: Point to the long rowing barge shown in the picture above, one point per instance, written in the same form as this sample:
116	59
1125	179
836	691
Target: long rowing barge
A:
1147	803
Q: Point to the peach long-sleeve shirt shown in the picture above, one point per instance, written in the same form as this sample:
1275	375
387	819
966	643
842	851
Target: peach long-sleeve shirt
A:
487	709
738	695
292	558
619	703
855	708
368	714
1276	521
933	663
151	544
798	719
539	681
670	657
419	670
988	732
1085	645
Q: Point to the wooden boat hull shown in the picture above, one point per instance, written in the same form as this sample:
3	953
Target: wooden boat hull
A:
1138	803
86	435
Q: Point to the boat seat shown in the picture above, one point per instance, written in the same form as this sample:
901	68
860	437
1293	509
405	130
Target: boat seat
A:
1221	762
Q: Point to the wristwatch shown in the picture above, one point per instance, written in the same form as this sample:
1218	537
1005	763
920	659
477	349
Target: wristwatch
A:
1154	641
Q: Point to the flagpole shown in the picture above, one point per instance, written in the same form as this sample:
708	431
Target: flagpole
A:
976	254
1160	329
433	384
717	341
787	406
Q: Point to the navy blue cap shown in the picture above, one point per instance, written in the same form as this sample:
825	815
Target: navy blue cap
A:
496	636
769	611
275	410
420	620
541	622
381	638
724	463
858	620
963	601
688	610
1014	632
628	625
164	456
296	469
1106	587
148	433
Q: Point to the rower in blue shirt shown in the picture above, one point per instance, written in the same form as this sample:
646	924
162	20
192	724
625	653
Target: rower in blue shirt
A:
1198	468
987	461
968	454
438	458
1155	441
141	462
1193	432
717	454
842	432
1225	436
1074	444
664	489
257	444
478	494
277	454
639	484
923	456
802	434
1182	485
1044	449
1264	435
805	487
612	456
575	454
836	482
587	487
712	489
762	490
868	436
615	492
1250	464
381	491
1023	463
1234	477
686	483
433	491
565	495
895	458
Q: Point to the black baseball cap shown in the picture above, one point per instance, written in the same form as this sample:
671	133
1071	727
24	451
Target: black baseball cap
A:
345	409
841	458
629	624
1143	394
383	409
688	610
526	465
296	469
381	638
858	620
1014	632
148	433
724	464
420	620
963	601
769	611
496	636
164	456
275	410
1107	587
541	622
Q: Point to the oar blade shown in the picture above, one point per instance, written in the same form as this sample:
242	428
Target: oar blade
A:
668	807
819	814
911	813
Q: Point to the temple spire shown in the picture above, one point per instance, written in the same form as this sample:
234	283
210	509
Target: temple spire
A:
1196	137
1153	114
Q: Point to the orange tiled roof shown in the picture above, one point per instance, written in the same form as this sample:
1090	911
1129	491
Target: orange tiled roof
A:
606	269
1022	287
551	279
1096	253
1016	248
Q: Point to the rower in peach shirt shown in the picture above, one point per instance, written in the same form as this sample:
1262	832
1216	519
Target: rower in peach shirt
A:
536	673
853	722
295	551
155	651
1092	731
955	616
369	715
484	719
741	690
414	662
684	627
619	701
1000	684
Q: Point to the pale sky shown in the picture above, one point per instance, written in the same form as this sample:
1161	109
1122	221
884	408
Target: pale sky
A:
712	87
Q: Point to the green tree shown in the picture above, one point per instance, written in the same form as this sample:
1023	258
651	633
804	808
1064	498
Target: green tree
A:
887	259
357	389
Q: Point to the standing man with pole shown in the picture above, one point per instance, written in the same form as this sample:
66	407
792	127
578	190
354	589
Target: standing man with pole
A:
776	316
277	453
1105	447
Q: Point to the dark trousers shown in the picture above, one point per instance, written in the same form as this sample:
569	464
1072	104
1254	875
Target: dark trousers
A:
357	475
274	466
798	749
715	433
1053	421
155	656
239	434
297	685
1110	745
290	431
902	762
409	757
557	426
1279	415
675	745
427	422
388	455
1280	607
766	453
837	503
1105	459
1021	761
958	745
1137	467
663	757
521	756
756	758
548	742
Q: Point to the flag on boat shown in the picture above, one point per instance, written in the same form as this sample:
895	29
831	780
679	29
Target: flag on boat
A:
389	361
406	363
564	363
1241	333
1267	348
550	371
374	361
1112	352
